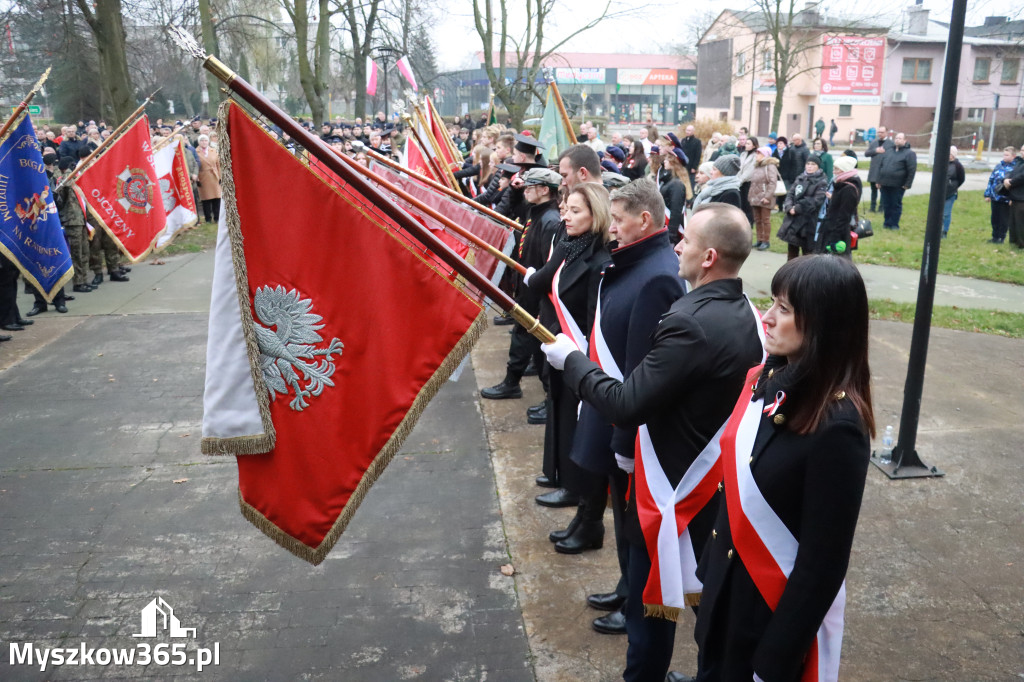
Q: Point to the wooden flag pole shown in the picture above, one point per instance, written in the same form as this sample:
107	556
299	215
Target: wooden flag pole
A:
81	167
458	196
434	116
563	113
167	140
316	147
18	110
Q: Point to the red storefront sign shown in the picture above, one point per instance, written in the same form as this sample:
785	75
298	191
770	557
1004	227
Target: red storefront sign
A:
851	70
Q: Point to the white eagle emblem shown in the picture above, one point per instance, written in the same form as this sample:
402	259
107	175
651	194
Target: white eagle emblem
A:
284	351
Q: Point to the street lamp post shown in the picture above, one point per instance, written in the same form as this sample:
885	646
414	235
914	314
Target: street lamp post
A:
386	53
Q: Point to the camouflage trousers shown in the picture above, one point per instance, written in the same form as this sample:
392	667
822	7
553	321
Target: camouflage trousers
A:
78	241
103	246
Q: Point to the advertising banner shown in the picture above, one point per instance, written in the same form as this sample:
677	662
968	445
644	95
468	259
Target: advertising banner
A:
648	77
851	70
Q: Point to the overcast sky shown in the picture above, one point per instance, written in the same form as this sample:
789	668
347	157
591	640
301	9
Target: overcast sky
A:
652	26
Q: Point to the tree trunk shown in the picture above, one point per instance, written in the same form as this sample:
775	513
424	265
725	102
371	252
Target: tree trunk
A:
777	109
307	79
211	47
108	29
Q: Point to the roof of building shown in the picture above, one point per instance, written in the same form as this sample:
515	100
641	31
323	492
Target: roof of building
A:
1005	30
755	21
938	32
593	60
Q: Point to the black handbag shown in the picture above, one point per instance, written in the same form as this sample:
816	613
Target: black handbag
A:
863	229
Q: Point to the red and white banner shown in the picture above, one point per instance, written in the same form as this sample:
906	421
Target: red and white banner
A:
405	68
851	70
176	189
342	338
417	159
123	193
371	76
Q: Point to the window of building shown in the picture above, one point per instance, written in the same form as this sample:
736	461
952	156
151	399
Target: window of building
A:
977	115
982	66
737	108
766	60
1011	67
917	70
741	64
845	110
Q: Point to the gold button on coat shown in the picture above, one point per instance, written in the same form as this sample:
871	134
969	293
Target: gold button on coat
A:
721	486
729	554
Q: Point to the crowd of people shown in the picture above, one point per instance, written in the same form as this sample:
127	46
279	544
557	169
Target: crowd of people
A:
632	250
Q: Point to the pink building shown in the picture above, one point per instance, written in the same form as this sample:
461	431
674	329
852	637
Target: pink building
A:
990	66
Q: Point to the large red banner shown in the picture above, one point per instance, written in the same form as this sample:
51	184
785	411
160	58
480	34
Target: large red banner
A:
351	328
851	70
122	191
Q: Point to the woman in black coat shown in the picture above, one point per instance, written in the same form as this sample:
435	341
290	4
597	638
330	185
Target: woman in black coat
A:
635	166
840	210
570	279
794	459
802	204
676	192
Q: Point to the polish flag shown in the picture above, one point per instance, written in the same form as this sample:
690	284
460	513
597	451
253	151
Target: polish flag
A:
371	77
405	68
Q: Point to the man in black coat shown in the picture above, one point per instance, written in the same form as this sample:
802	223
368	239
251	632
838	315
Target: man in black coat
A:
692	147
895	176
638	287
876	152
540	189
1014	187
682	392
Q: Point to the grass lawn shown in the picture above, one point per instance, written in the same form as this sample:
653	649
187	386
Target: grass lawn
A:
963	253
199	238
993	322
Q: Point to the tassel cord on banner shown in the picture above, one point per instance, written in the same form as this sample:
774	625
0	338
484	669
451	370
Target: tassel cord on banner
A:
82	167
316	147
18	110
380	158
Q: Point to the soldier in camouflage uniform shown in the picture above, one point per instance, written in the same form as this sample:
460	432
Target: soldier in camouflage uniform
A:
102	247
73	220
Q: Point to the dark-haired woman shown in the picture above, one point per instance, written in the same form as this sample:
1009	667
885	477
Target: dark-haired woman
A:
794	459
676	192
635	166
820	147
570	281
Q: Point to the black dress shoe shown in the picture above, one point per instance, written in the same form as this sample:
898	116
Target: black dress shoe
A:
588	535
559	535
542	405
610	601
673	676
36	310
501	321
27	323
531	370
544	482
502	391
12	327
539	417
97	280
124	269
61	308
4	337
68	297
118	277
82	288
613	623
558	498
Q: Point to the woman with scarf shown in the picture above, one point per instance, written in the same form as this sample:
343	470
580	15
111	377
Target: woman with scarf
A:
838	215
724	186
570	280
794	458
761	195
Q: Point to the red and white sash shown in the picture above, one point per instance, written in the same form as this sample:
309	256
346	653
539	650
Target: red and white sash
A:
565	318
599	351
766	547
665	513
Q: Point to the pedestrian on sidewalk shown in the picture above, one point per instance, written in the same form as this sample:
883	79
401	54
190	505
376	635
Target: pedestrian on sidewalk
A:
997	197
955	177
876	152
803	202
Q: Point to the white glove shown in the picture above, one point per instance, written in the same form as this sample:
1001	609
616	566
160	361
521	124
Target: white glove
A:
528	275
559	350
757	679
625	463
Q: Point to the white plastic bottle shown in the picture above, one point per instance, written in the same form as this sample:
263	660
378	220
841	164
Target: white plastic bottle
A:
885	457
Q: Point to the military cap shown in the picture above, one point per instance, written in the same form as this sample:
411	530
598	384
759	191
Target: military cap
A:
613	180
542	176
616	151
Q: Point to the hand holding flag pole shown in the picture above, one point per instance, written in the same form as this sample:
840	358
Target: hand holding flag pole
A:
25	102
77	170
316	147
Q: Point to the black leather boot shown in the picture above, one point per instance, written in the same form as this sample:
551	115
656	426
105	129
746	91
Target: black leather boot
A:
588	535
559	535
508	388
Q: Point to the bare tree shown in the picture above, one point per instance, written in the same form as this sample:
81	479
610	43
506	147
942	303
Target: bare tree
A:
314	54
105	19
361	24
513	64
